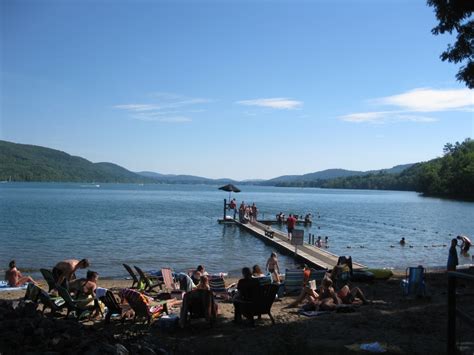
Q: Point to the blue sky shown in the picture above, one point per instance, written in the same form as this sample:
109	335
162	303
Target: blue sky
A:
239	89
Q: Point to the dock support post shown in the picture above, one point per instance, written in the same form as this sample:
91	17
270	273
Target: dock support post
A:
309	238
225	209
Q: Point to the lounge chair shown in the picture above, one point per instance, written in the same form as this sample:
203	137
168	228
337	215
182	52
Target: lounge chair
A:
74	305
132	275
218	287
262	304
148	285
293	281
198	304
414	283
168	280
265	280
37	295
49	278
113	307
139	304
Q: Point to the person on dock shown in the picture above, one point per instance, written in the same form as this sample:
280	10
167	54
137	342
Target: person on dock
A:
319	242
465	244
233	206
241	211
14	278
290	225
273	267
280	217
65	270
453	255
254	212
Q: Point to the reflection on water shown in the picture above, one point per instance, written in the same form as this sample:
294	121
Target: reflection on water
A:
176	225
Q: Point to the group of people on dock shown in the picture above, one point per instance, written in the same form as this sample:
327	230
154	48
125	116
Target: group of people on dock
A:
247	213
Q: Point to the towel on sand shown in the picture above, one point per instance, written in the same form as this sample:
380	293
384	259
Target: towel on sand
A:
4	287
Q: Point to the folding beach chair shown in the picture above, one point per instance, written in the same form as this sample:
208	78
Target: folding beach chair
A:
132	275
37	295
72	305
414	283
168	279
198	304
293	281
218	287
113	307
49	278
262	304
146	281
140	306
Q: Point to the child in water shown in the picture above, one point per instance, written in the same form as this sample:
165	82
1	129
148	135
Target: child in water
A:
273	267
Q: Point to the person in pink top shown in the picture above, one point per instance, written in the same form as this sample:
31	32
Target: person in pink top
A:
290	225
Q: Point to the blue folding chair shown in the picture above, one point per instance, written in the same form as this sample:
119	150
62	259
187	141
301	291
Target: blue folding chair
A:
414	283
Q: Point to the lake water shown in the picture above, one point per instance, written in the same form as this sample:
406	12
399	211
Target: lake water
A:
154	226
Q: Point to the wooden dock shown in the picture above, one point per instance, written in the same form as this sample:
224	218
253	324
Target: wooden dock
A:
274	221
308	254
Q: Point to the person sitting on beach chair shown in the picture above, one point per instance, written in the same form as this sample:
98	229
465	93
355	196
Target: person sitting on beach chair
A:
307	292
247	290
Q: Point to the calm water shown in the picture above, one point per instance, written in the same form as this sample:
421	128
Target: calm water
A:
176	225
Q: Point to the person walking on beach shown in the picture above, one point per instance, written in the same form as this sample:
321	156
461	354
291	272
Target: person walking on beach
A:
290	225
273	267
453	256
14	277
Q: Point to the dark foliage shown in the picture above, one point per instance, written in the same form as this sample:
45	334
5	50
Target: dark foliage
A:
456	16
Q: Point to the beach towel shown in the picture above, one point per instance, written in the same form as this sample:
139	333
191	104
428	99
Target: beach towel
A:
5	287
312	313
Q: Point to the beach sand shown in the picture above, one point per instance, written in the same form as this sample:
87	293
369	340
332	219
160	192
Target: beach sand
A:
401	325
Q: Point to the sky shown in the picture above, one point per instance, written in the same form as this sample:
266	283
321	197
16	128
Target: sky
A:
237	89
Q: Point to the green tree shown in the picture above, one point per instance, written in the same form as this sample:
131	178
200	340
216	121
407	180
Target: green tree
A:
456	16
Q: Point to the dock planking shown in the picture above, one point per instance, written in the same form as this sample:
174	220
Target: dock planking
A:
308	254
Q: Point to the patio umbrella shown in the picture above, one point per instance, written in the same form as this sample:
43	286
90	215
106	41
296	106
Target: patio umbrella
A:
230	188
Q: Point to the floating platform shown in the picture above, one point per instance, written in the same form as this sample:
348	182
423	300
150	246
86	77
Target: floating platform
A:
309	254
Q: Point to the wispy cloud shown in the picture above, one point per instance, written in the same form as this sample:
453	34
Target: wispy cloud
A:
430	100
168	107
166	119
278	103
385	117
413	102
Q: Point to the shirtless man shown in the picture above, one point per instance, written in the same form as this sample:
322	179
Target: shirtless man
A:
64	270
466	243
14	277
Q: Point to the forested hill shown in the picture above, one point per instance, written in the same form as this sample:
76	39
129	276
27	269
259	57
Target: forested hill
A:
22	162
451	175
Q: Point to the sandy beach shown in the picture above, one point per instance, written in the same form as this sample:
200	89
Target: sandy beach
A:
399	324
